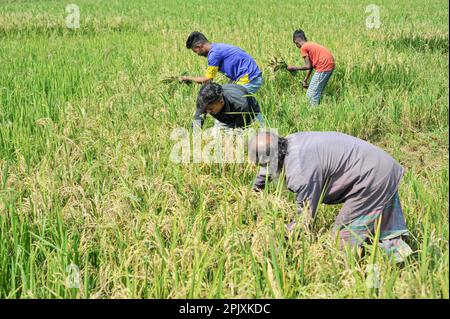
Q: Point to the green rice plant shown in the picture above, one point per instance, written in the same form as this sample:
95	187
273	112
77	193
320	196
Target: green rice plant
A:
91	205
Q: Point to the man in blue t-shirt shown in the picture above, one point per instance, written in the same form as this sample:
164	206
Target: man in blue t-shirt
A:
228	59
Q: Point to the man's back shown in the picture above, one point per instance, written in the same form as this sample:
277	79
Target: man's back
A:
345	165
321	58
240	108
234	62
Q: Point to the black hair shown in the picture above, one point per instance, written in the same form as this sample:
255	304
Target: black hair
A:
299	34
194	39
210	93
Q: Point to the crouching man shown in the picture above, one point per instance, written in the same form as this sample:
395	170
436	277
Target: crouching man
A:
338	168
229	104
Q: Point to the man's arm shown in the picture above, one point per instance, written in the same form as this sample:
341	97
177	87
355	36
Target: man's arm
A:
306	67
199	118
198	121
260	181
196	79
214	60
308	198
308	73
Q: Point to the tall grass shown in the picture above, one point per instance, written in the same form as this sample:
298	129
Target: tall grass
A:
85	174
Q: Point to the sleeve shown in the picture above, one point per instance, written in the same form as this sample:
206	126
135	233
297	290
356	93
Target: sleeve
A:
211	72
214	59
260	180
199	119
308	197
304	51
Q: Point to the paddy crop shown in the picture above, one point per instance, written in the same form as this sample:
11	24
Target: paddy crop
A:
91	206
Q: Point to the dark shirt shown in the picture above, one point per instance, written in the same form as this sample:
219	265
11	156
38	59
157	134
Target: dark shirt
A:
239	110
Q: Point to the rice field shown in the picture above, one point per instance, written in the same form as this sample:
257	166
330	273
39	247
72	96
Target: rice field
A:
91	206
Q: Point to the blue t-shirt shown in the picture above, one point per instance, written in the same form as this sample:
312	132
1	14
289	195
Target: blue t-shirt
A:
234	62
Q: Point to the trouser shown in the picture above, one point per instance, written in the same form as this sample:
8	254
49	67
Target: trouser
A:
254	85
356	231
317	85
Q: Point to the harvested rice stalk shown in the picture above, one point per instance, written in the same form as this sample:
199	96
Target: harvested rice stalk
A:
173	78
277	64
170	79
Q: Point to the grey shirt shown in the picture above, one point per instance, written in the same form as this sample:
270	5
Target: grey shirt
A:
345	168
239	110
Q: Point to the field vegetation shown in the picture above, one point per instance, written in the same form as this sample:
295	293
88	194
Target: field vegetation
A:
86	180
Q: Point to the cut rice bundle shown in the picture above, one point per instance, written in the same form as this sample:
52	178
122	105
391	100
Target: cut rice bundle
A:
277	64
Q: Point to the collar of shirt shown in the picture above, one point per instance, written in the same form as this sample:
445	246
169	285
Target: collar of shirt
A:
213	47
226	107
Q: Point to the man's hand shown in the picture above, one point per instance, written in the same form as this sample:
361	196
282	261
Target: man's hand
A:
184	79
305	84
292	68
258	188
196	79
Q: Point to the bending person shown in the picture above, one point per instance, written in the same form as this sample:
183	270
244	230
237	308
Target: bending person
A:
338	168
228	59
229	104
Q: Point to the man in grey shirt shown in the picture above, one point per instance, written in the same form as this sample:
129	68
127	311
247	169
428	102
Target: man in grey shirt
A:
338	168
230	104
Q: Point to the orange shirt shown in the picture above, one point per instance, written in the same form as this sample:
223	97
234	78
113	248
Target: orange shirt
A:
320	57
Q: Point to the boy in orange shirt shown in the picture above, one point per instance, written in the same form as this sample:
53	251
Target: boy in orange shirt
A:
317	57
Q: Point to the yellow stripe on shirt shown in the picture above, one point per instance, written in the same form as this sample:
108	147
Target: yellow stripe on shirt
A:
243	80
211	72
